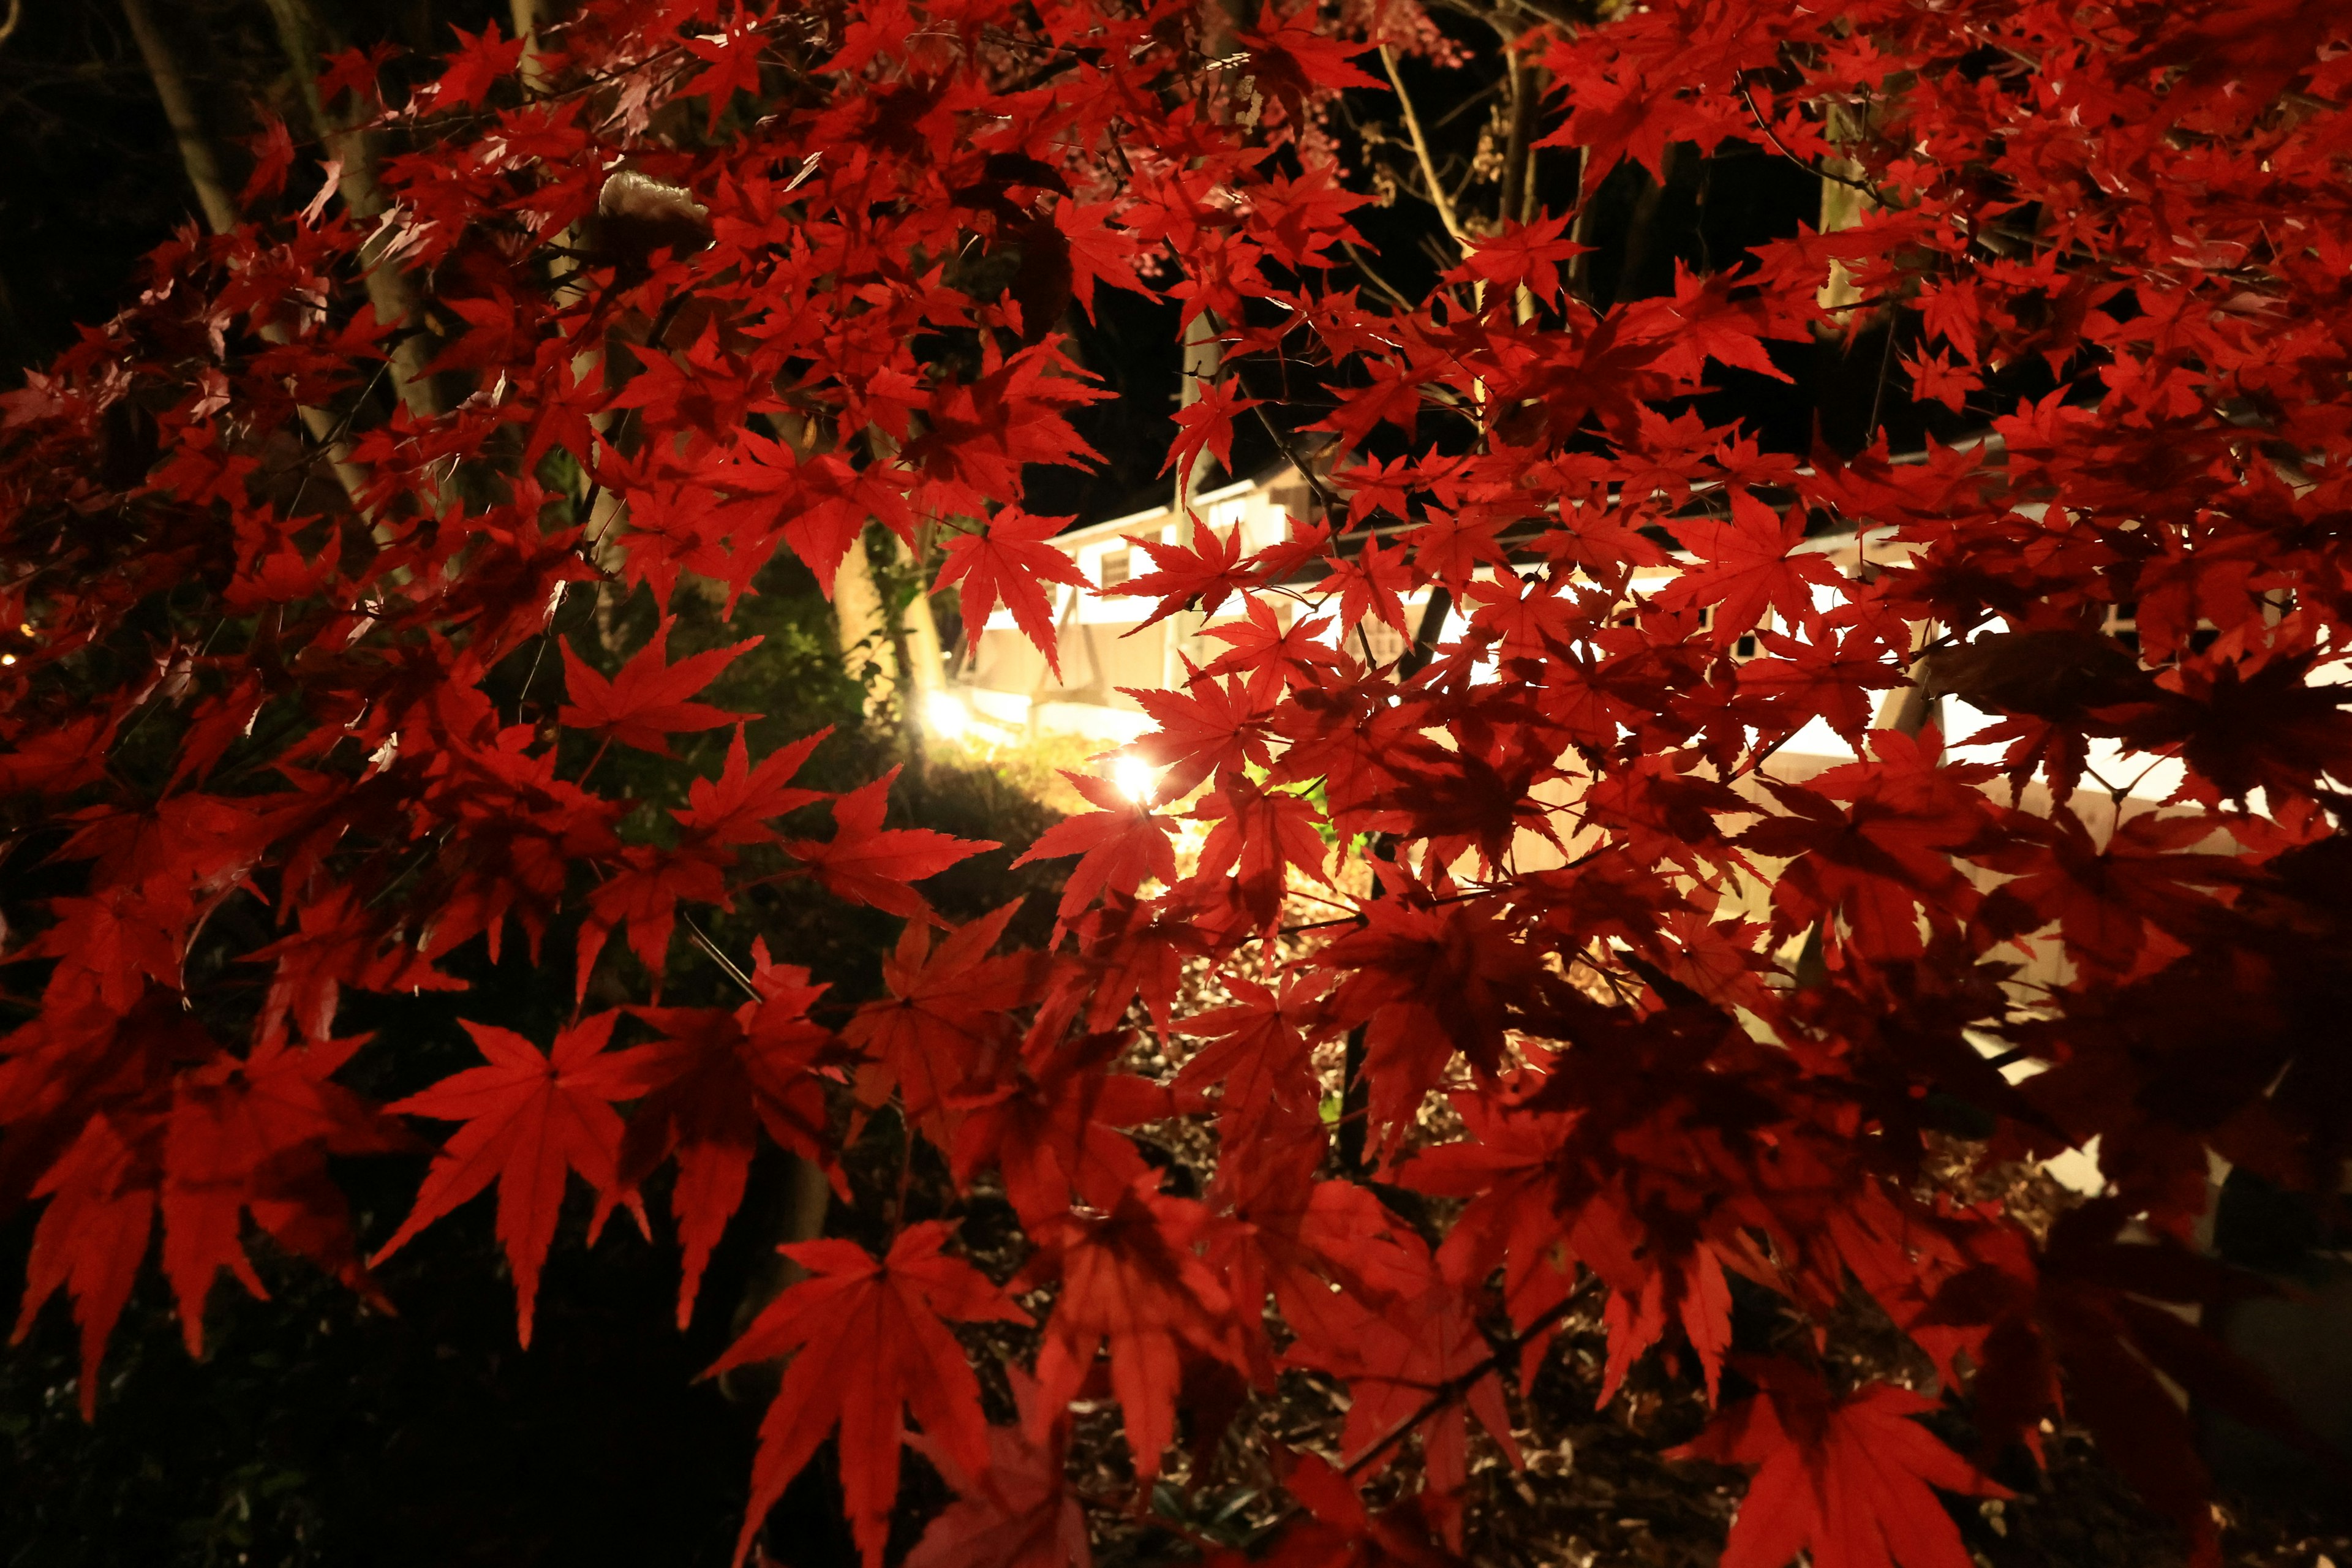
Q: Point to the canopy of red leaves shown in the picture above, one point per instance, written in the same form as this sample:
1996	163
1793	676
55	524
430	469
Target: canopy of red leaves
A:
278	642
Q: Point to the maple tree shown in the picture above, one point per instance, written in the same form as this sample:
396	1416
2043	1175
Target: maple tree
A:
1541	978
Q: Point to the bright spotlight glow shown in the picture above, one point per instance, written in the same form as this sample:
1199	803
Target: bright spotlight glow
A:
945	715
1137	779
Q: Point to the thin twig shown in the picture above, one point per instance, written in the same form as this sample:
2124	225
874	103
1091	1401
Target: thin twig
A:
1437	197
1773	137
725	964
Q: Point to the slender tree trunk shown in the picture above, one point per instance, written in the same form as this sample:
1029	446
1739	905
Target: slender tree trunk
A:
304	37
197	154
526	17
926	661
1642	234
1204	356
200	158
863	629
1842	206
1520	200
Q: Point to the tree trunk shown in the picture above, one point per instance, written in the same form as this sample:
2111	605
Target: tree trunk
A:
197	155
863	629
201	160
926	660
304	37
1842	206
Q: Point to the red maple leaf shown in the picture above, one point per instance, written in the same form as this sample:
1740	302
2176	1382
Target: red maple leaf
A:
529	1120
1258	1060
1120	846
644	892
730	64
1010	559
1829	677
1395	1358
715	1082
339	946
1291	60
1750	570
91	1239
1099	252
1371	581
1018	1513
1133	1285
735	807
479	59
1522	255
946	1004
1273	657
869	864
1206	423
647	702
1051	1125
1844	1477
869	1344
1259	835
253	1137
1202	729
1202	577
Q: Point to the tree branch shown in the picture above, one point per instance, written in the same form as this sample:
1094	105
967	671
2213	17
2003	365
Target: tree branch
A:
1436	192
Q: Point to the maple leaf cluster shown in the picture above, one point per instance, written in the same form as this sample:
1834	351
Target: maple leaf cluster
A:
281	731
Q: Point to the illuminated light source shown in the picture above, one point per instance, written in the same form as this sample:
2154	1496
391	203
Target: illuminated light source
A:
945	715
1137	779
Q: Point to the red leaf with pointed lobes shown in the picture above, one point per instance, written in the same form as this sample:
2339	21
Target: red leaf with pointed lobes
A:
730	64
1393	1358
1258	1059
647	702
1691	1285
1273	657
1339	1533
735	807
1019	1511
1202	577
340	946
870	1346
1206	423
1099	253
479	59
1429	984
1202	729
1122	845
253	1137
1510	1171
1369	582
529	1120
1845	1478
1751	569
1051	1125
1128	950
1260	834
1880	863
644	892
1830	678
947	1006
1522	254
1008	560
715	1084
1290	61
869	864
91	1239
1131	1283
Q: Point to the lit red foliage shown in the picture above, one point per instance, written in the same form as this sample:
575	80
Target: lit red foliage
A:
239	671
